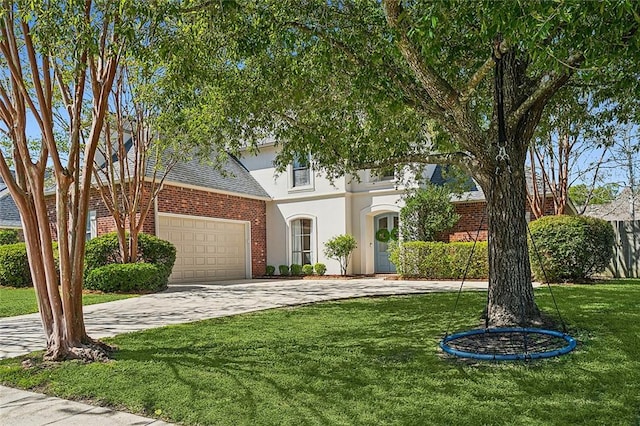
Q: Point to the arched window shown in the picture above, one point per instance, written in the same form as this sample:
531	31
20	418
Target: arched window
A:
301	241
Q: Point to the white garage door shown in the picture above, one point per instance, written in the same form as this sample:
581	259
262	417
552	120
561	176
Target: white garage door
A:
206	249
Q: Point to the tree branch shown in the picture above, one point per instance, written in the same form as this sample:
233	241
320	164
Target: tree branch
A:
547	86
438	89
476	79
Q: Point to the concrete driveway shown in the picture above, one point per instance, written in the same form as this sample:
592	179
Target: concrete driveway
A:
186	303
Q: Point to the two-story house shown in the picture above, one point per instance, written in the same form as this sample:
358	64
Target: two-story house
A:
306	210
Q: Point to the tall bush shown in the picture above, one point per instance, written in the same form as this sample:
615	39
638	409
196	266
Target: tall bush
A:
340	248
14	266
104	250
571	248
427	211
8	236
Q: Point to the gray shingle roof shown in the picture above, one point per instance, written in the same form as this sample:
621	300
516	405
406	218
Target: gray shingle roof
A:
618	209
9	215
231	177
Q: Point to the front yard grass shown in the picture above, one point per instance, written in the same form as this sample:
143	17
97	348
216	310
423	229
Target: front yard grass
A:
21	301
364	361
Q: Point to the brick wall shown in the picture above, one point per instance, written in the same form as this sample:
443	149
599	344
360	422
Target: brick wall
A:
193	202
471	214
104	220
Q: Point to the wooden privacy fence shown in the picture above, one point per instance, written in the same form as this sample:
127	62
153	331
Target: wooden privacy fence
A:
626	252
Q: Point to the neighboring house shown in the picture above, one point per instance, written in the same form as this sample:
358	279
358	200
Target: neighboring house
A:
9	214
625	207
624	215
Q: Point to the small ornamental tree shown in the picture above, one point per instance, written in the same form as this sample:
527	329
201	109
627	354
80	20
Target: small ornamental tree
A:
340	248
427	212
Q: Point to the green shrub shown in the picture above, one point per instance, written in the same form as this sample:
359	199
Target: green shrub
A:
14	266
127	277
105	250
101	251
427	212
320	268
340	248
270	270
296	270
159	252
572	248
284	270
307	269
8	236
439	260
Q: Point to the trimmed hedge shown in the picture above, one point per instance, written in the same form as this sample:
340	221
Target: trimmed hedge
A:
104	250
126	277
438	260
14	266
320	268
296	269
8	236
283	269
307	269
572	248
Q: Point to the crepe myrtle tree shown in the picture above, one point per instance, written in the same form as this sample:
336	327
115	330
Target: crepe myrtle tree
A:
58	61
369	84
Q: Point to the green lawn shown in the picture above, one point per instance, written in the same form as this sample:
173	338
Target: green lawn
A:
20	301
364	361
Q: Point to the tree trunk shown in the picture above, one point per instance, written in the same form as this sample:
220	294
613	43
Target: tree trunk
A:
510	300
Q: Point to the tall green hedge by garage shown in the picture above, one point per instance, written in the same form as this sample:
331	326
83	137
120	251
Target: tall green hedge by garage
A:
572	248
104	251
440	260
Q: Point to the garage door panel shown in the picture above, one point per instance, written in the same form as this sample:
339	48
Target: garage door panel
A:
205	249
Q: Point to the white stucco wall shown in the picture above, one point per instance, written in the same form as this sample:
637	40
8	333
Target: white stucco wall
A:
329	216
346	206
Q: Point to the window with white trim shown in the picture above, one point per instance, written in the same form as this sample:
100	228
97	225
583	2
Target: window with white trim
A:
300	172
92	225
301	241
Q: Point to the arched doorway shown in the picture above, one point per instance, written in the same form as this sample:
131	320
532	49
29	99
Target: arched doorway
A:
386	230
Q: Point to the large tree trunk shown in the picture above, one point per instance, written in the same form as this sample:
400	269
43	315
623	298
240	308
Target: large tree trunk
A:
510	300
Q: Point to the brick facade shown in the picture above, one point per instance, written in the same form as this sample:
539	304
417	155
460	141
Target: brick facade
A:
472	215
193	202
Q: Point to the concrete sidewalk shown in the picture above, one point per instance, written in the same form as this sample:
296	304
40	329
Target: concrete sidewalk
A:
179	304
